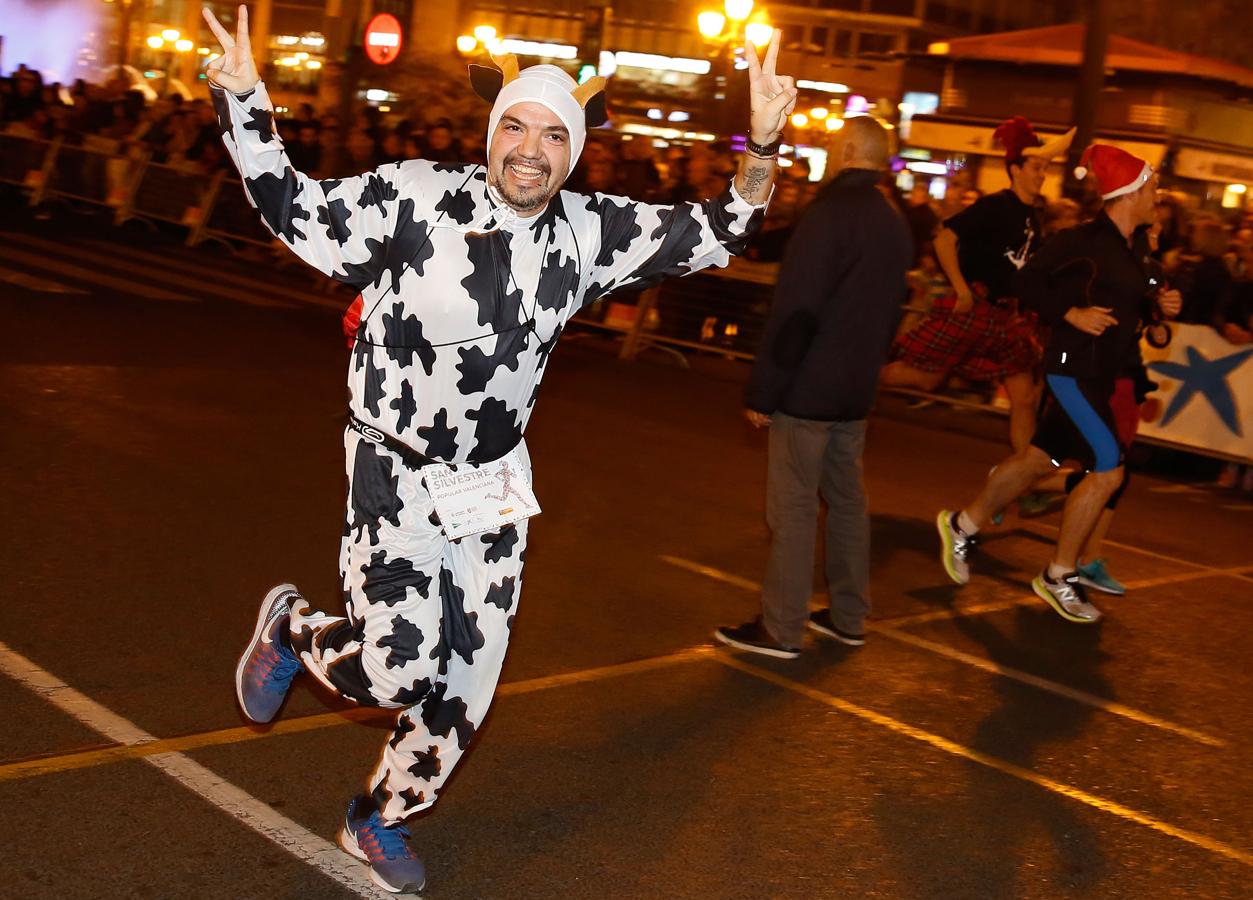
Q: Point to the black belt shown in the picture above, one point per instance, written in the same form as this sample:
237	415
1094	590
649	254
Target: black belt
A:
412	458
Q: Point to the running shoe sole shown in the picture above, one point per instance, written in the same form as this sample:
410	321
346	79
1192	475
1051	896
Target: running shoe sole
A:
1042	591
776	652
264	617
849	639
946	545
348	844
1097	586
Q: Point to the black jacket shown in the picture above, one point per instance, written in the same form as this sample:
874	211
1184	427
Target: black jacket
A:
1088	265
836	305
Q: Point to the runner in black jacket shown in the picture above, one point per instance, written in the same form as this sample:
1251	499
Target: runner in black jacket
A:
1089	284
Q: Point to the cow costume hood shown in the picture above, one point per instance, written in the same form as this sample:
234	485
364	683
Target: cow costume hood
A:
578	106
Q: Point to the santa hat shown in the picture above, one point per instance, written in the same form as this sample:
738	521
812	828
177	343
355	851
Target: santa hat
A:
1015	135
1117	171
578	106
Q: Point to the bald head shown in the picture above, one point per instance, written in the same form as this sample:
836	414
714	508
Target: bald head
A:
862	144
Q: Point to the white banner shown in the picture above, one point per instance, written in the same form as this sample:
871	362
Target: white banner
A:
1205	389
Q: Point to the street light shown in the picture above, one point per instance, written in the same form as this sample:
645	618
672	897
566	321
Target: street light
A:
485	35
724	31
759	33
174	43
711	23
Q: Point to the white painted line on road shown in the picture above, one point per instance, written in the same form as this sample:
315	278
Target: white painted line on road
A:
976	609
959	612
33	283
949	612
136	286
167	275
224	275
100	756
952	747
319	853
1036	681
1045	684
1042	528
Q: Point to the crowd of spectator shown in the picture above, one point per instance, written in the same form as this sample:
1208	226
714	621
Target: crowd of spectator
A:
1208	257
117	119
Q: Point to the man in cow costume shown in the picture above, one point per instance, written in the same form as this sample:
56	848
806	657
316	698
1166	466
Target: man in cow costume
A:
468	275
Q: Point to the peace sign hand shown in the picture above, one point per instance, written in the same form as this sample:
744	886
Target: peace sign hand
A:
772	97
234	70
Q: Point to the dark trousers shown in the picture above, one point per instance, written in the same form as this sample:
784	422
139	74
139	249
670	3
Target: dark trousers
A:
809	459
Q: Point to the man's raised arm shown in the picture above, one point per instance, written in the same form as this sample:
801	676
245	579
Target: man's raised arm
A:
772	97
641	243
342	227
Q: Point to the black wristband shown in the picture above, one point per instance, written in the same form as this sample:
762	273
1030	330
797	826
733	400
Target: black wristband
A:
765	151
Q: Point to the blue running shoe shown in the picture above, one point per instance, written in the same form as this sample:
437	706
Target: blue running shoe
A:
1095	575
384	848
266	669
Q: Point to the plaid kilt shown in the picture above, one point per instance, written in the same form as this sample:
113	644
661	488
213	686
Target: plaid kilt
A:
985	344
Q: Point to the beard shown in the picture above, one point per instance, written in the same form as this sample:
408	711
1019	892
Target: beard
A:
525	199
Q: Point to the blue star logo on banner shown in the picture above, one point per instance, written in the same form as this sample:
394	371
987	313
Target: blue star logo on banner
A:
1207	377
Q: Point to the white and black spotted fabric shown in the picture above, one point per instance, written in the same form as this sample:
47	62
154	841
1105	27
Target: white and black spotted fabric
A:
455	333
427	626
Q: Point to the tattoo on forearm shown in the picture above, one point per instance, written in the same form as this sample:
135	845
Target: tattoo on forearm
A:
755	178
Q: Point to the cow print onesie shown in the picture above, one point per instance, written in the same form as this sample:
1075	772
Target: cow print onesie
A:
455	333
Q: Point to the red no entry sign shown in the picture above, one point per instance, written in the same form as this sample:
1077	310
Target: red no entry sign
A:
382	39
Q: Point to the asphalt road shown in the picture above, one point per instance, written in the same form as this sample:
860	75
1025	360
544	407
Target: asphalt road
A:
172	447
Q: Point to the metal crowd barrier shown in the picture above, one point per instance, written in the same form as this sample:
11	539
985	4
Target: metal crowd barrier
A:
23	161
209	207
77	173
162	193
720	311
227	216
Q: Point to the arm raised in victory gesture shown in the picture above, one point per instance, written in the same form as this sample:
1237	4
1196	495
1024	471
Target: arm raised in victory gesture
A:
234	70
640	243
772	97
344	227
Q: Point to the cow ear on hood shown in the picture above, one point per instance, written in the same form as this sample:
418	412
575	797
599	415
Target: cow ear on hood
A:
486	81
596	113
591	96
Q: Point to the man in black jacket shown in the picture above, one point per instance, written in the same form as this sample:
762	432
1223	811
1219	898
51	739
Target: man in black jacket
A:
836	306
1089	284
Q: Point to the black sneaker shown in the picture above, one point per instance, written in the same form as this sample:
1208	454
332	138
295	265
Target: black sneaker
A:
820	621
753	637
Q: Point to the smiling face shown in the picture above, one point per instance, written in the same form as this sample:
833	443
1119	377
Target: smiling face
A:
1028	178
529	157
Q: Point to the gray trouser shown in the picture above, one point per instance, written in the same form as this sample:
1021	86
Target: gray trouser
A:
809	458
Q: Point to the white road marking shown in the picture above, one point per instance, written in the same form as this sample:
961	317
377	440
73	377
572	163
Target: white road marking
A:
137	285
319	853
33	283
170	276
986	665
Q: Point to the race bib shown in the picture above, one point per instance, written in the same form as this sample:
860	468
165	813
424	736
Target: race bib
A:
471	499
